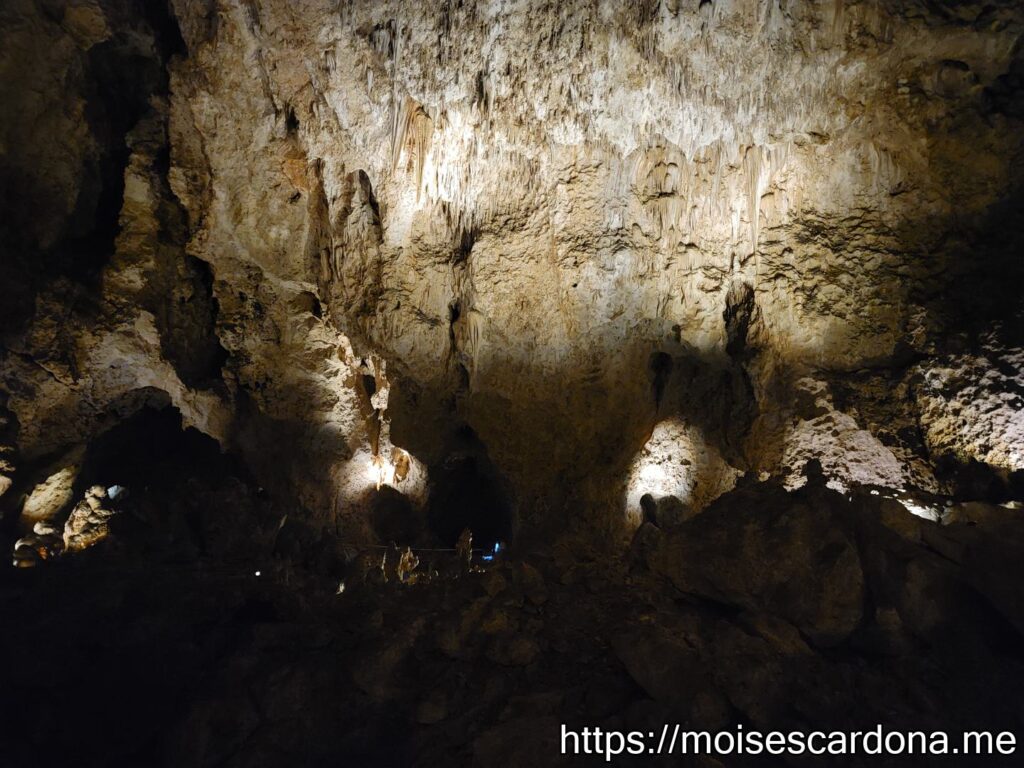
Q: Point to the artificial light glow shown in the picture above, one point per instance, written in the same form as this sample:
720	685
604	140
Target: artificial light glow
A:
928	513
382	471
913	506
676	461
653	476
388	470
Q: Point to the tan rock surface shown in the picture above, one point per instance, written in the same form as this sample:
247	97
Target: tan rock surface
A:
558	226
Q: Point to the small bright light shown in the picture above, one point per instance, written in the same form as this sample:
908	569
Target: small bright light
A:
928	513
257	573
341	587
114	491
653	474
380	471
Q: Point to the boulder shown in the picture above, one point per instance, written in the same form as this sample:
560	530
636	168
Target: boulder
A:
764	550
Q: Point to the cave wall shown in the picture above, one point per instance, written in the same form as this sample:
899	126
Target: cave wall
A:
727	236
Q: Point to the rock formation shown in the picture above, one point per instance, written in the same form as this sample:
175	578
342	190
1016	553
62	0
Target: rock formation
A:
555	228
544	270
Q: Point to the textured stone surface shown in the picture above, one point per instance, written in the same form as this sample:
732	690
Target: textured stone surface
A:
794	558
337	237
484	668
318	281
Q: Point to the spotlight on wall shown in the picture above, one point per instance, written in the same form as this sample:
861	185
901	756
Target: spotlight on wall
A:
381	471
390	469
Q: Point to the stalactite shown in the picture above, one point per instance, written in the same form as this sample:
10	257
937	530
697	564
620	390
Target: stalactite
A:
412	132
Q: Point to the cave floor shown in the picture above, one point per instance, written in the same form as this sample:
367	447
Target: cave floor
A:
111	660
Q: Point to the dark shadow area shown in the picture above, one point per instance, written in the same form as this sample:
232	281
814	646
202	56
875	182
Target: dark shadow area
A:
659	369
979	290
124	78
180	295
116	78
973	256
715	395
125	630
141	449
466	491
973	480
125	71
394	519
183	497
777	620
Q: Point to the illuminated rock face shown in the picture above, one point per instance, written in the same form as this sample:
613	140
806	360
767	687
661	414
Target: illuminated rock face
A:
347	232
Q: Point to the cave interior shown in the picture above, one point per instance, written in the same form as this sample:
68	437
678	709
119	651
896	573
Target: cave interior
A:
403	384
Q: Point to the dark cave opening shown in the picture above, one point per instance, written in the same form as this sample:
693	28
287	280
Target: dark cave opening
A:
124	79
393	518
184	496
467	491
150	449
187	318
119	77
127	70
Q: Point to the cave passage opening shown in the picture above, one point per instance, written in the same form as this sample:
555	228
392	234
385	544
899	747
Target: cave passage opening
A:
468	492
151	448
175	484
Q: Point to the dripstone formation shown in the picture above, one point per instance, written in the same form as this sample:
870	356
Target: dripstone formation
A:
707	314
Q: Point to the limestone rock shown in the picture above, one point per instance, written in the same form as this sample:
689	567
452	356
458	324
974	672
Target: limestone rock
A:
314	278
606	243
971	406
43	543
49	497
673	673
89	520
761	553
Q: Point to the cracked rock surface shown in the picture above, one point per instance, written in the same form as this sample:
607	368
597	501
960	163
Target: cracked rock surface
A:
310	280
552	226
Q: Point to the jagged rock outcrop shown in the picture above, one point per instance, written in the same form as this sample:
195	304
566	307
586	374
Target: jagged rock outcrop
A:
675	311
547	231
793	560
485	667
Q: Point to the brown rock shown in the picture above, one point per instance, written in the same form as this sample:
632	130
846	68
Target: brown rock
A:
764	550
